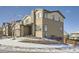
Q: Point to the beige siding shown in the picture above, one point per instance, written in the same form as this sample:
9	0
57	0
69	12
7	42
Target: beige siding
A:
54	26
7	30
1	32
4	31
39	22
16	29
17	33
24	30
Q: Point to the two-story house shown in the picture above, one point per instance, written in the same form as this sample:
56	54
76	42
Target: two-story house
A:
47	23
6	28
40	23
21	28
1	32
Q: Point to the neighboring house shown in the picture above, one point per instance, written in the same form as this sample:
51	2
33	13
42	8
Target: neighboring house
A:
16	28
19	29
27	25
66	35
6	28
74	36
0	31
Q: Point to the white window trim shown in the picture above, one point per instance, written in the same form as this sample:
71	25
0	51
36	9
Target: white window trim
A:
56	18
38	15
61	20
45	15
46	34
61	28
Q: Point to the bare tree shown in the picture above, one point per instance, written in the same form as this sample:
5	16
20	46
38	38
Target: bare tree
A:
13	29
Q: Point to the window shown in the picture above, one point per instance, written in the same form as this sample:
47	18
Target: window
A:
49	16
45	15
61	28
45	27
53	17
38	15
61	20
56	18
45	34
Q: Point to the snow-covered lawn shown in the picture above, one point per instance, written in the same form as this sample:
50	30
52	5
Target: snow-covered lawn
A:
16	42
9	45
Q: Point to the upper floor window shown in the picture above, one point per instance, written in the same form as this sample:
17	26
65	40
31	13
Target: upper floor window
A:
46	15
56	18
38	15
61	20
61	28
26	21
53	17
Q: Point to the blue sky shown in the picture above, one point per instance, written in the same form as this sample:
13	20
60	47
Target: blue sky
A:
71	23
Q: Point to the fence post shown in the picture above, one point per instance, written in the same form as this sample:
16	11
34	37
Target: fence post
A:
74	43
65	40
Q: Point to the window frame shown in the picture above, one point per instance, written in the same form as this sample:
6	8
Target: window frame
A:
38	15
45	27
46	34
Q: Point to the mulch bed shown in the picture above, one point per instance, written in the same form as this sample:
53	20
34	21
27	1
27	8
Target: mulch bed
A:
42	41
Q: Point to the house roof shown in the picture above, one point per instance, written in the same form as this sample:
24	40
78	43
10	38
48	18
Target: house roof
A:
25	17
55	11
6	23
75	32
18	20
52	12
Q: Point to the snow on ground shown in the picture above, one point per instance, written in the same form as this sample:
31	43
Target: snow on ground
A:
29	45
9	45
